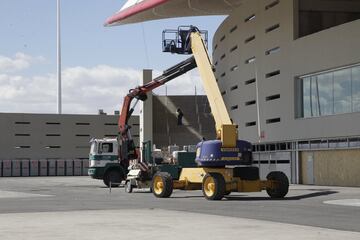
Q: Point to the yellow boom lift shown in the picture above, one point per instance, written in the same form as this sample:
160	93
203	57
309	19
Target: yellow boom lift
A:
224	164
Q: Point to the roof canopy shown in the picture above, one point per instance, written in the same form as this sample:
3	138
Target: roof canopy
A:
135	11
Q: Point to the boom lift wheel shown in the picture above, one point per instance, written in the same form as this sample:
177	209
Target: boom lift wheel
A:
281	186
213	186
114	177
162	185
128	187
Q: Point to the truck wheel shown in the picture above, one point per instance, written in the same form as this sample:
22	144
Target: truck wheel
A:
227	193
128	187
281	184
114	177
213	186
162	185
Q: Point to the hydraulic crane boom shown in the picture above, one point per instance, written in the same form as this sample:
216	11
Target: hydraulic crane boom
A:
225	130
189	40
227	149
127	147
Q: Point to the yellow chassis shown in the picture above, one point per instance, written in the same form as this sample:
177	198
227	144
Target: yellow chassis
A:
192	179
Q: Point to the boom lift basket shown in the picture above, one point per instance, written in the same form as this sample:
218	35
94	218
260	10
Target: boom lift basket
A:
178	41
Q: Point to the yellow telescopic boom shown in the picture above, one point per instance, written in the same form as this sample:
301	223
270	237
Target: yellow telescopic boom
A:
226	131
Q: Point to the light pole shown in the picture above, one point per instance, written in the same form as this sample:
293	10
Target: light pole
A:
58	59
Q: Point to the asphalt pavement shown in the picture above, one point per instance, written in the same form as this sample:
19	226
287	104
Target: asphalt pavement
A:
42	207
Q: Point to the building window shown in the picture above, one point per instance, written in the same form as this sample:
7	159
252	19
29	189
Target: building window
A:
272	74
52	123
22	123
273	120
271	5
22	147
251	81
272	28
250	18
249	39
333	92
272	50
252	102
82	124
234	107
222	57
234	88
250	60
233	48
272	97
315	16
234	68
249	124
222	38
233	29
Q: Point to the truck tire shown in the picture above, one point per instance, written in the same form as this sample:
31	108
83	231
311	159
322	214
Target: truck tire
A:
213	186
281	187
113	176
162	185
128	187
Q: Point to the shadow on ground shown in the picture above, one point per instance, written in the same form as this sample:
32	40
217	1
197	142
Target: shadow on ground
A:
299	197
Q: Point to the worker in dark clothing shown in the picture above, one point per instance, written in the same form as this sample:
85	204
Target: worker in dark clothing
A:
179	115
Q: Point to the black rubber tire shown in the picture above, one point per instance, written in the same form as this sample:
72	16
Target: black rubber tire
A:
227	193
220	186
114	177
282	186
128	187
167	181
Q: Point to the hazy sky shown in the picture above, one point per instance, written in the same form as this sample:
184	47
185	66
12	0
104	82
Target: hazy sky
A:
99	63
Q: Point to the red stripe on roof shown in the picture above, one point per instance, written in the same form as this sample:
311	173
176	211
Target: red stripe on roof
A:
143	6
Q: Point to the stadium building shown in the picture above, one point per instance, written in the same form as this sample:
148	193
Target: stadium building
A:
289	72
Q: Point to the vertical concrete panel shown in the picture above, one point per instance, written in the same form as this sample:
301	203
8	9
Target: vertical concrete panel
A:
25	168
60	167
16	168
52	167
69	167
85	167
6	168
43	167
34	168
77	167
0	168
146	112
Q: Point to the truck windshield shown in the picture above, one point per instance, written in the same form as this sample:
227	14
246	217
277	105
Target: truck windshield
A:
93	148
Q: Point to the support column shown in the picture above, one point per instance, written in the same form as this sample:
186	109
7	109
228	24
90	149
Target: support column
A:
146	112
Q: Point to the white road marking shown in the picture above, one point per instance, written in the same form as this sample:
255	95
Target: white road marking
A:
345	202
10	194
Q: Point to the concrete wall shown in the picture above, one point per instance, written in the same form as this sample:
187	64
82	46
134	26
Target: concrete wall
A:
146	112
52	136
332	167
328	49
197	121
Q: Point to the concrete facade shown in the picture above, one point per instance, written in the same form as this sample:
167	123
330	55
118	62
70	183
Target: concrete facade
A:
269	34
197	121
58	145
52	136
146	112
262	51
